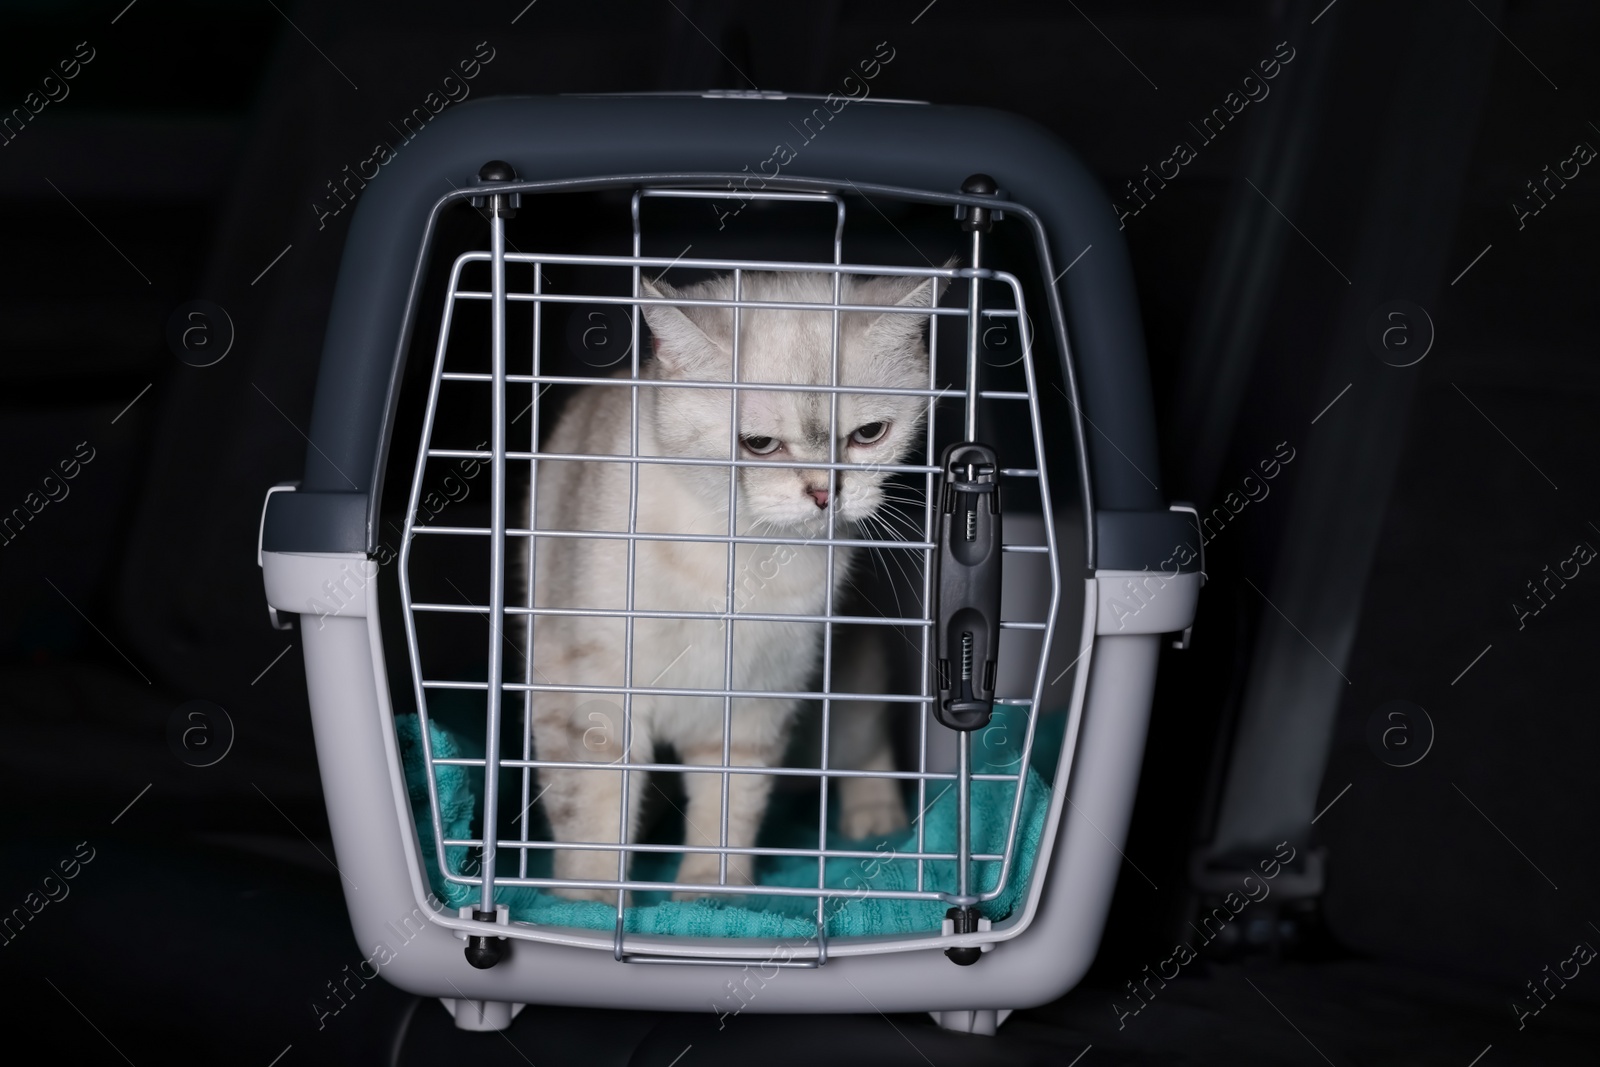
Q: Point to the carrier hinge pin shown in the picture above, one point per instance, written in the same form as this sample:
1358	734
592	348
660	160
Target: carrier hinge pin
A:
485	951
974	217
963	921
503	205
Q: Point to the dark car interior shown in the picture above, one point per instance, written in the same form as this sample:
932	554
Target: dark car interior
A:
1363	243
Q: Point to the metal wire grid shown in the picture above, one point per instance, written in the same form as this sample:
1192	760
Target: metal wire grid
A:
498	611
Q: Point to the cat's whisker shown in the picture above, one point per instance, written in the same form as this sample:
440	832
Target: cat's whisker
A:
872	555
892	536
910	532
914	525
905	567
894	591
883	516
895	502
895	508
899	491
892	527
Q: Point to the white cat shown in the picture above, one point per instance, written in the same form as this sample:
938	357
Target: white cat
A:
695	343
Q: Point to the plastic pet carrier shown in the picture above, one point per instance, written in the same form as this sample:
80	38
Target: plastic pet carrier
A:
967	693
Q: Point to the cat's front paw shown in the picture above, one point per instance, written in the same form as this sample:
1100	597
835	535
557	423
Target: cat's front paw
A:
588	867
870	807
703	868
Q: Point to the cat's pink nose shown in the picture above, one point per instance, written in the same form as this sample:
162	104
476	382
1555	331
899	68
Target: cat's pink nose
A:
820	496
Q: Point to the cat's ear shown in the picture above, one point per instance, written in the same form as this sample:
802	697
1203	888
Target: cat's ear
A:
898	331
681	346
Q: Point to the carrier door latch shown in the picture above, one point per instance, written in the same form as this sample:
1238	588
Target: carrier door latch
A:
968	585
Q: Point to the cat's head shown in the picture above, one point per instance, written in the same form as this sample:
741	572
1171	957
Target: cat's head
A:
794	347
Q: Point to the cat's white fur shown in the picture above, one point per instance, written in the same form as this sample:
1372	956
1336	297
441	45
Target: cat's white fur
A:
695	343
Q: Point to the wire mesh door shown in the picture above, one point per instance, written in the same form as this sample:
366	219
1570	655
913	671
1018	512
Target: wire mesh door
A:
504	851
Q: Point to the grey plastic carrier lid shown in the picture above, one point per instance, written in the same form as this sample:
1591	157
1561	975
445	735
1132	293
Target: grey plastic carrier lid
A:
572	138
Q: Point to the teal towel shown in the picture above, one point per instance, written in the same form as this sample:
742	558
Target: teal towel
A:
997	748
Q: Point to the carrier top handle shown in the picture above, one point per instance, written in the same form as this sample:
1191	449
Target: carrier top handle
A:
484	952
968	581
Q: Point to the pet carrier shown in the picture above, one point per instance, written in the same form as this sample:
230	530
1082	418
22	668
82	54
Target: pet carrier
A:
1008	602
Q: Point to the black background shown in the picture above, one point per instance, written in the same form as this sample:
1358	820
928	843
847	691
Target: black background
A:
187	156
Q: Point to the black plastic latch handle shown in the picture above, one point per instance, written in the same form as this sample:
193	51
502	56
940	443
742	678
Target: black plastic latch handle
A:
967	581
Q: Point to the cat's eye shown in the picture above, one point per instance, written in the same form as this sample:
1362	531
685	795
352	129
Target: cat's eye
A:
870	434
761	446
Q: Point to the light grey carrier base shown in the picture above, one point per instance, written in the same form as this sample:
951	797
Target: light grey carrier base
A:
414	938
